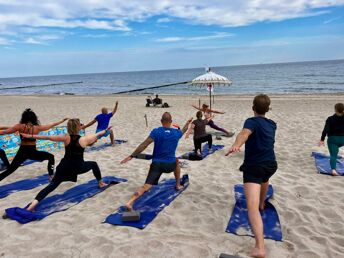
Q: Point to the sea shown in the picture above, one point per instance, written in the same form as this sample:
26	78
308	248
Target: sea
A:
280	78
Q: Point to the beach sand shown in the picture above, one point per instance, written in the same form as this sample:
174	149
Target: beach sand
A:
309	205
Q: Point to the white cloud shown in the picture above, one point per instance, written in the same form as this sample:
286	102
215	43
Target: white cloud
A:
34	41
164	20
199	38
116	14
5	42
332	20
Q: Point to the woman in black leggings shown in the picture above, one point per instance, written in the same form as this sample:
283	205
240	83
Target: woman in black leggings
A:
73	163
200	134
29	124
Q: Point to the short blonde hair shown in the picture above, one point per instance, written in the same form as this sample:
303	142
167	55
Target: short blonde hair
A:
73	126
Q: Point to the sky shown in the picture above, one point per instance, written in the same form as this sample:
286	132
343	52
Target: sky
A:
41	37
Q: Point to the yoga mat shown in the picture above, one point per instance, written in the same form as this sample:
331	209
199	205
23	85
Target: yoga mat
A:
103	146
205	152
322	163
23	185
61	202
150	203
239	223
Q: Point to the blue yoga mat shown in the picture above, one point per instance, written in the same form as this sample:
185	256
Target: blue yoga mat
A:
205	151
23	185
103	146
150	204
322	163
61	202
239	223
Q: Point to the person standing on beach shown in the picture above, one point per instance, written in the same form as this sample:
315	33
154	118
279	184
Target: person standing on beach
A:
73	163
164	160
258	135
103	120
334	130
29	124
200	134
208	115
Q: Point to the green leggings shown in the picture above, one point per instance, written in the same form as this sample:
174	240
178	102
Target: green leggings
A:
334	143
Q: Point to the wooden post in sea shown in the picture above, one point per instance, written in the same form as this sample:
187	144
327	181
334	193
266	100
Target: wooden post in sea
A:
199	103
145	116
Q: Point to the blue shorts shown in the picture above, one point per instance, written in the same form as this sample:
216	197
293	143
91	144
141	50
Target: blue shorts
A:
106	134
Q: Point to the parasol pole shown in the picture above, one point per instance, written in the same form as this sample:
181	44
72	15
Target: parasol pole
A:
210	88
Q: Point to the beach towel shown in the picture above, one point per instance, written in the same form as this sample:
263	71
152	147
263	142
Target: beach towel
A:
61	202
150	203
205	152
23	185
322	163
103	146
239	223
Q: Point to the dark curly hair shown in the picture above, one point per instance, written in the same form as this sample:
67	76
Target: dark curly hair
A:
28	116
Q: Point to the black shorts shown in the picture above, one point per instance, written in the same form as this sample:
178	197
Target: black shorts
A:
157	169
259	173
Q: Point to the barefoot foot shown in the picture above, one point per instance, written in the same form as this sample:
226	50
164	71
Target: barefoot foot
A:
102	184
178	187
334	173
257	253
129	207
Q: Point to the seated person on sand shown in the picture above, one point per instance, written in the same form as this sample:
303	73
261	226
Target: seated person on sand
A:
334	129
208	113
73	163
103	120
157	100
259	165
149	101
200	135
164	160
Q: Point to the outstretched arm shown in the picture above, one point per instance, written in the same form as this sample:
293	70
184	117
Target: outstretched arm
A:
89	124
92	138
186	126
4	127
188	132
9	130
324	132
139	149
48	126
115	108
215	111
239	141
197	108
54	138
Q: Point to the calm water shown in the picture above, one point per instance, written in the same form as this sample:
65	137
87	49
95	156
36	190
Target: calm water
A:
303	77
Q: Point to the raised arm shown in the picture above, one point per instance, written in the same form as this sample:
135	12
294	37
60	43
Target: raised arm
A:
54	138
9	130
239	141
89	124
115	108
139	149
48	126
186	126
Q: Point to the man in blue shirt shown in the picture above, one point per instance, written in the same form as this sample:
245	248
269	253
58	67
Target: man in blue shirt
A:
259	165
164	160
103	120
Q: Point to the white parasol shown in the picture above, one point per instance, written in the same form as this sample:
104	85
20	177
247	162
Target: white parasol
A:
210	79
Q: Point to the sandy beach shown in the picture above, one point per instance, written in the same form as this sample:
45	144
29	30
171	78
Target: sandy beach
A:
309	205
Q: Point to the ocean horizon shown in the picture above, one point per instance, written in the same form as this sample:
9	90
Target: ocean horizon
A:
279	78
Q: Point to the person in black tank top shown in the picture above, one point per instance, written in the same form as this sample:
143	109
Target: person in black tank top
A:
334	130
72	164
29	124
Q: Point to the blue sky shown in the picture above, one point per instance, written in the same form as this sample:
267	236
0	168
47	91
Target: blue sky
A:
85	36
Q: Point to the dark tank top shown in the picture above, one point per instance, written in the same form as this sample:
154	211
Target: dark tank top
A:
27	131
73	149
